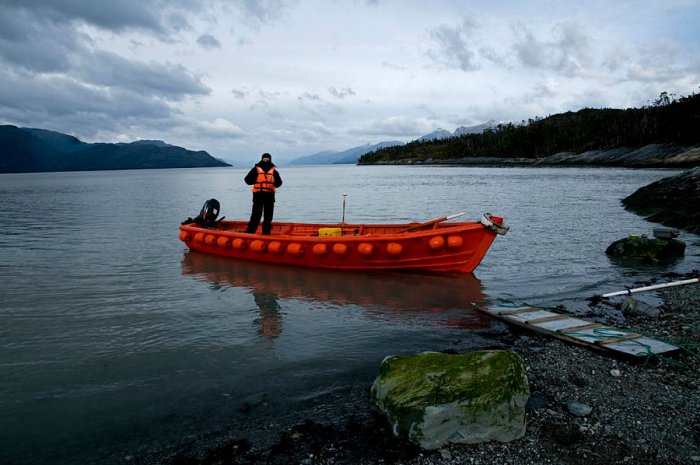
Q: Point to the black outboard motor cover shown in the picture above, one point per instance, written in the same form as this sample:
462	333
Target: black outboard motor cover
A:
207	216
210	210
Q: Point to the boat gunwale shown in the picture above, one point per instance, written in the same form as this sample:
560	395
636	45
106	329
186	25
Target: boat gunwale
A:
448	228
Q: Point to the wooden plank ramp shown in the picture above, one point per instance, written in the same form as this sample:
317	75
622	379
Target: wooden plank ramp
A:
581	332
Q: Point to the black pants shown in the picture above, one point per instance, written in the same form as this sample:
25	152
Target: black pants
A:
263	202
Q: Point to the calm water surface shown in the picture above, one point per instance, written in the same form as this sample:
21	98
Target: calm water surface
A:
115	341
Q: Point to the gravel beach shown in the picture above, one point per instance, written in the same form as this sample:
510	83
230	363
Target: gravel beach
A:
585	407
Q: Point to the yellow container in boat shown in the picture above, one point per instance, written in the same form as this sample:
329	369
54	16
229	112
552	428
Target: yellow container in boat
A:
330	231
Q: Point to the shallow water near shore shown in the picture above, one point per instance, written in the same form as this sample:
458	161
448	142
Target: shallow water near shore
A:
117	342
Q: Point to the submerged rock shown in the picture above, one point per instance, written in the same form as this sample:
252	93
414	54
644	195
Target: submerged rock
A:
646	249
437	398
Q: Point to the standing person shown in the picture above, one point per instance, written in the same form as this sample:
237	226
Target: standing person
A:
265	179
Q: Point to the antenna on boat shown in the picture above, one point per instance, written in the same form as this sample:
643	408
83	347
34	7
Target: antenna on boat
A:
344	195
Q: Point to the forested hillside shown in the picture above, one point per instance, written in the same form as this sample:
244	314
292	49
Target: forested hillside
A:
668	121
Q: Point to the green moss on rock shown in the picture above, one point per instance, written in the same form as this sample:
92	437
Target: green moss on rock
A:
436	398
646	249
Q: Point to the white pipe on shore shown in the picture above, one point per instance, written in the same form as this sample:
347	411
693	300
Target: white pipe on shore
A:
651	288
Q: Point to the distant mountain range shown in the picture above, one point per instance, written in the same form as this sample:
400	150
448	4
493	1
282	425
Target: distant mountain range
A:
25	150
346	156
460	131
351	156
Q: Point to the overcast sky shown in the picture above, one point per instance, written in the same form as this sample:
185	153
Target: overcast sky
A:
238	78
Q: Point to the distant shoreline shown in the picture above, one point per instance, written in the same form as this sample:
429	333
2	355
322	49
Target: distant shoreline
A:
648	156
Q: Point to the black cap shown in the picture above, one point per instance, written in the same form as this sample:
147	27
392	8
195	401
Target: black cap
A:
266	155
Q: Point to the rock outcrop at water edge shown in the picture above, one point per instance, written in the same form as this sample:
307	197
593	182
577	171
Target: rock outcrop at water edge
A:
671	201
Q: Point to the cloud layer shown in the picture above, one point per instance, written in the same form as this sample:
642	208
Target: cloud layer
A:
297	77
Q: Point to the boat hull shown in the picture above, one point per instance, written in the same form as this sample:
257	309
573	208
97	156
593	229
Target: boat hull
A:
446	247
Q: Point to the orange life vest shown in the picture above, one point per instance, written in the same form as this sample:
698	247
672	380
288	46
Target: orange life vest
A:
265	182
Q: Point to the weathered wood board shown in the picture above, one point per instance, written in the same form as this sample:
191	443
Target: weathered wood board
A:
575	330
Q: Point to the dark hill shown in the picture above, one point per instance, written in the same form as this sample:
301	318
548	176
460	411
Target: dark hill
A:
672	125
22	152
59	141
157	143
32	150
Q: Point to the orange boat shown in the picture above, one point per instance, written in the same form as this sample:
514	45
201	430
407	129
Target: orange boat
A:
435	246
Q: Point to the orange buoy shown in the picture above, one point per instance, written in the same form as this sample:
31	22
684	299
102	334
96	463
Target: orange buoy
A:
394	249
199	237
365	249
295	248
184	237
238	243
454	242
275	247
223	241
320	249
436	243
340	249
210	239
258	246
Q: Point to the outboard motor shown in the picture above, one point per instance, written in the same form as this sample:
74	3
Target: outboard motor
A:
207	216
209	211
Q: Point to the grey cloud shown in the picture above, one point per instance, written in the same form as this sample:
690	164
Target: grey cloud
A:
106	15
36	44
239	93
59	97
320	128
177	21
616	60
311	131
309	96
387	65
263	11
575	48
657	62
169	80
490	54
569	53
341	93
642	73
530	51
208	42
275	114
394	126
259	105
270	95
454	49
220	128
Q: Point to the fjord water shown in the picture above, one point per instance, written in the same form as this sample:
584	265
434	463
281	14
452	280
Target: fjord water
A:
116	342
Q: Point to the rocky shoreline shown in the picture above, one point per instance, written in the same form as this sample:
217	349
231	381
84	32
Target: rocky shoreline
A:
648	156
585	407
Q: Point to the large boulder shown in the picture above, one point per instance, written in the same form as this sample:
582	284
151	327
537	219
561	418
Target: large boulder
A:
435	398
671	201
650	250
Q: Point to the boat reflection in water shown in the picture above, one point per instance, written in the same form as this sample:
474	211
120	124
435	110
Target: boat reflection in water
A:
440	299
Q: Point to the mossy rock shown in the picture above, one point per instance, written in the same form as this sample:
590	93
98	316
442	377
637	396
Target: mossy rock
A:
649	250
435	398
